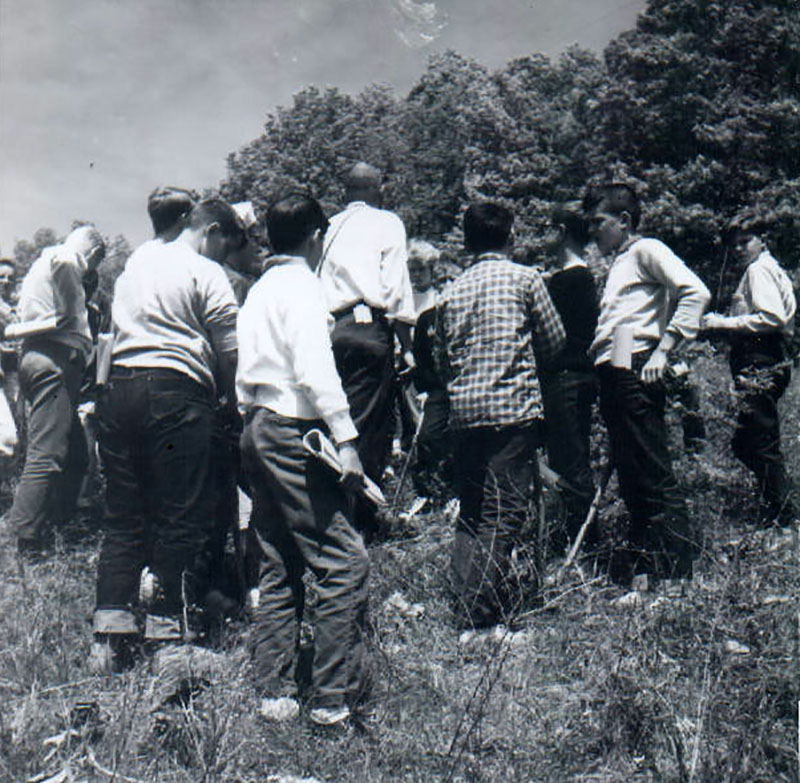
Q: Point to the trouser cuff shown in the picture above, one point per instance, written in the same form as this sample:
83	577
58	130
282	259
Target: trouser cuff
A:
162	628
112	621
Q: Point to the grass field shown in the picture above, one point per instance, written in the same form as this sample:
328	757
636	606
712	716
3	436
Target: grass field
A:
702	687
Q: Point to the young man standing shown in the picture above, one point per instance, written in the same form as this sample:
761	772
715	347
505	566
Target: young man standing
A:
759	329
569	386
497	322
174	353
636	330
54	358
366	283
287	384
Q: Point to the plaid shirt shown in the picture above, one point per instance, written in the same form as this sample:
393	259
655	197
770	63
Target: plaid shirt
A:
496	315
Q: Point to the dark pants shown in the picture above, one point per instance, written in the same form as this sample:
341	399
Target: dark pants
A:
155	434
364	356
50	377
659	534
568	398
757	439
433	468
683	391
496	482
299	515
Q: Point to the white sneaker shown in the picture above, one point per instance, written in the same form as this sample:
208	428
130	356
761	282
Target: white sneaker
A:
281	709
329	716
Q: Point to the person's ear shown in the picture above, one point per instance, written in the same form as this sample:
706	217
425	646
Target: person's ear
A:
625	220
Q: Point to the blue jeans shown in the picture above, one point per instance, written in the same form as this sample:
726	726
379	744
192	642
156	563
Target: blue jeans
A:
154	432
50	377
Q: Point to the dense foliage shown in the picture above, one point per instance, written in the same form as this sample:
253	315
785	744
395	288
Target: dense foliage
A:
697	106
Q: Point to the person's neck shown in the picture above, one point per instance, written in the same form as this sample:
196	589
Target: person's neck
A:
626	243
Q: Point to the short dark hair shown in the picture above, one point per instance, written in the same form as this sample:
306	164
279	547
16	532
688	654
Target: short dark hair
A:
570	215
215	210
166	206
616	198
487	226
292	219
746	222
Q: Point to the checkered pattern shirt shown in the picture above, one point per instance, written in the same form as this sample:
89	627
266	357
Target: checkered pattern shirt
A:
497	318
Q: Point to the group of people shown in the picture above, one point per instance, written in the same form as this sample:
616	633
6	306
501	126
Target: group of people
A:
212	379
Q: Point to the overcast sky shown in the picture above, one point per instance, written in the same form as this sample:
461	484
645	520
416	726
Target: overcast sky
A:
103	100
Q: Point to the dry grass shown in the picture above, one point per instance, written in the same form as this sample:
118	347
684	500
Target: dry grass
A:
697	689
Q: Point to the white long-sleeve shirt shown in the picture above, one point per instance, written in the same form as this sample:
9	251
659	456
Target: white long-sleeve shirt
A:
764	299
286	361
643	285
54	287
365	259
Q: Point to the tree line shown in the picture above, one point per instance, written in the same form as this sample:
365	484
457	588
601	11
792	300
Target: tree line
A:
697	107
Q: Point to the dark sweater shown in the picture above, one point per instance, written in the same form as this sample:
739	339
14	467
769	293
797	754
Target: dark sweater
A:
575	297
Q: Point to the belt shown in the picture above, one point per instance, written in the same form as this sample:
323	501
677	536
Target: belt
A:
378	314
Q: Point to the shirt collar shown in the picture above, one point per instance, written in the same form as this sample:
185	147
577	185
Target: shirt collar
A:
491	256
573	260
282	260
626	245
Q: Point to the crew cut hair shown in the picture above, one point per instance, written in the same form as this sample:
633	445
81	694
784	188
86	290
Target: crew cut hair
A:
215	210
569	214
166	206
616	198
292	219
487	226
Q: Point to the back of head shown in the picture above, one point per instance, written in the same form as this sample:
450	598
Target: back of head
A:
614	198
216	211
569	215
292	219
363	183
87	241
487	227
168	208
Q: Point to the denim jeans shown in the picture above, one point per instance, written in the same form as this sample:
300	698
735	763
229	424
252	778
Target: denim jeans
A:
299	515
50	377
154	428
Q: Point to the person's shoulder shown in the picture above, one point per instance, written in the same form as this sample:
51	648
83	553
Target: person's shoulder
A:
650	245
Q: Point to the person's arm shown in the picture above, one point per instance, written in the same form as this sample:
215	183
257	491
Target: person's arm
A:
403	332
771	311
395	281
549	336
313	365
69	296
686	289
219	315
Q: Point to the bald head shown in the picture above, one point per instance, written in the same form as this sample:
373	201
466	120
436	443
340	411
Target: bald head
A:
363	183
87	241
